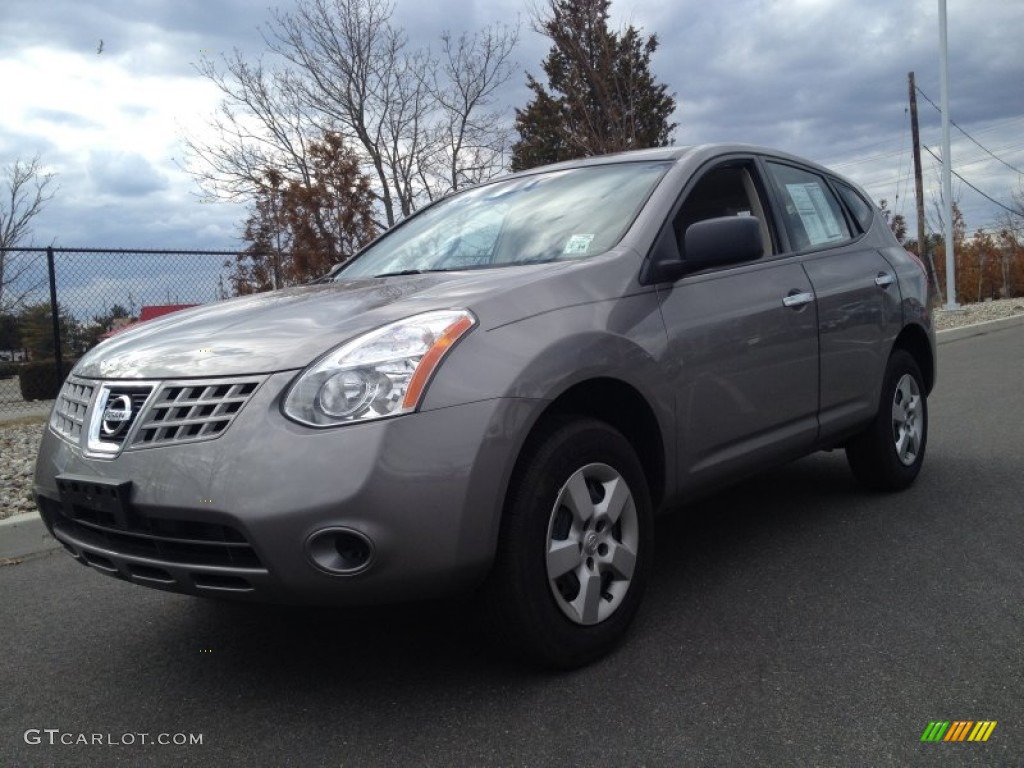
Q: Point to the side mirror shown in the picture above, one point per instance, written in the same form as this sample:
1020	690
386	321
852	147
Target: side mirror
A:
709	243
722	241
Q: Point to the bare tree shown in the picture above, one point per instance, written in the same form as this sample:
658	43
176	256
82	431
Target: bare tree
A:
937	223
471	139
1017	204
896	221
345	68
1011	245
260	125
26	191
938	218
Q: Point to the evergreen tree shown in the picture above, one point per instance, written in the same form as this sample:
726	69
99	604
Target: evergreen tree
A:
601	96
35	322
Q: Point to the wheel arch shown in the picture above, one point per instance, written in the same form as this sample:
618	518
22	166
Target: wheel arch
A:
914	340
623	407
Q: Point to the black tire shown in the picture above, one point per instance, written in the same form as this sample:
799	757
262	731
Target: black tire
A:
875	454
539	617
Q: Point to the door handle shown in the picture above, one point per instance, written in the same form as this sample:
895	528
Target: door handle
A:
797	299
884	279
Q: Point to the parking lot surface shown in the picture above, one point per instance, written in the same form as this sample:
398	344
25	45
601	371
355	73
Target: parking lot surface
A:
792	620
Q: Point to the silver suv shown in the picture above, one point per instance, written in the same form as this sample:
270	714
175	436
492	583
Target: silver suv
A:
498	394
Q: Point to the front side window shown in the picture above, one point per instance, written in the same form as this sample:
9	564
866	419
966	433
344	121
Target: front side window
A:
728	190
812	215
552	216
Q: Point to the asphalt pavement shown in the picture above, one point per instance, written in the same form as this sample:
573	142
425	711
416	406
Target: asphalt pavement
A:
795	620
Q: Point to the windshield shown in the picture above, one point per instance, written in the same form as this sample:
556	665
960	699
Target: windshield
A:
569	214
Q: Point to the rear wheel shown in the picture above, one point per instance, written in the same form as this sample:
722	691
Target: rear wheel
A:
574	554
888	455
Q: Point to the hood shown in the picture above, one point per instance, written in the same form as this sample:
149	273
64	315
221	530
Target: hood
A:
286	329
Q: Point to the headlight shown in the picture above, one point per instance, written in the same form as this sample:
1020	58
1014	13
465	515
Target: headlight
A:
381	373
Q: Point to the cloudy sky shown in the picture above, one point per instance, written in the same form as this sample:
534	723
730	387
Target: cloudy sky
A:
826	79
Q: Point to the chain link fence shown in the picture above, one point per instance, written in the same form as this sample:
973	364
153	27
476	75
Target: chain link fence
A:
57	303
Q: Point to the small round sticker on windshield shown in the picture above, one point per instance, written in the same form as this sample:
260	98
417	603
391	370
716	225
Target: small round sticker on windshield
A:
578	244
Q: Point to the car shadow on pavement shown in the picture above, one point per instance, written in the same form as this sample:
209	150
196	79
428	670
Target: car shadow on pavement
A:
308	645
762	510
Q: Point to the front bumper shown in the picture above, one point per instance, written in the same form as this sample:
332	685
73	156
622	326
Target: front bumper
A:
233	516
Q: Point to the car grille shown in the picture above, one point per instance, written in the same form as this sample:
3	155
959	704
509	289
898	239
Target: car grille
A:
181	542
160	413
191	411
68	418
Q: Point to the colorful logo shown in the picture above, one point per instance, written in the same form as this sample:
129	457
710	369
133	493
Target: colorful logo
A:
958	730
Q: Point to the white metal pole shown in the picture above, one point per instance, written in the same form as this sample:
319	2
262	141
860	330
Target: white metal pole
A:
947	184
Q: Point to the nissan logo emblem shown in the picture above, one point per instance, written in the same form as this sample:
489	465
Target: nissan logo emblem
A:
116	415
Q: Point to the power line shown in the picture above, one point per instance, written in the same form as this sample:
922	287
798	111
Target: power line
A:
870	159
852	151
999	125
962	164
1013	148
965	181
965	133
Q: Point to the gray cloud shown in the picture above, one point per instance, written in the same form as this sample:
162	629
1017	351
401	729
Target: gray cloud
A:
170	220
63	117
135	110
15	145
826	80
124	175
81	24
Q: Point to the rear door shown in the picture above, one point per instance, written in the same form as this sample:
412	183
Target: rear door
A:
858	297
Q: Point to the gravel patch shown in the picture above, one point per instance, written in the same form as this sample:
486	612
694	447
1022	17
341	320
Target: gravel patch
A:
983	312
20	441
18	446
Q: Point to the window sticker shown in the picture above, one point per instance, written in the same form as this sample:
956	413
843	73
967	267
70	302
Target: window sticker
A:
815	213
578	244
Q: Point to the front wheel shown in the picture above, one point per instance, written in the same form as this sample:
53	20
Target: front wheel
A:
888	455
575	546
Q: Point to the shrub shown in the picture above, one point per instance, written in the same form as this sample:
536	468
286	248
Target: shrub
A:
9	369
38	378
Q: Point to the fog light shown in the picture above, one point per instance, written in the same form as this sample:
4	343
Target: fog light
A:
340	551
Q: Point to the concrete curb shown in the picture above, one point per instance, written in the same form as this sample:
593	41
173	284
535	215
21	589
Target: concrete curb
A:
978	329
25	535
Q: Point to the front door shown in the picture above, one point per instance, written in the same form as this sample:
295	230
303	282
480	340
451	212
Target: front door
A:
743	344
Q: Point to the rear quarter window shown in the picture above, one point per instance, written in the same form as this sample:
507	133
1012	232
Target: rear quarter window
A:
863	212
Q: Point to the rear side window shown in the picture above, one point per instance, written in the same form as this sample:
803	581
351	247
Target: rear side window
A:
811	213
862	210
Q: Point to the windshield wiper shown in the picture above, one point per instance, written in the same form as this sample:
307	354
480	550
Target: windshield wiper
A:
409	272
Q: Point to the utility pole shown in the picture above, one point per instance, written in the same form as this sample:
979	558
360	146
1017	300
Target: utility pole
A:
922	242
947	159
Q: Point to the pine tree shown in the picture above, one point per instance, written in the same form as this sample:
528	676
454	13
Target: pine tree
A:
601	96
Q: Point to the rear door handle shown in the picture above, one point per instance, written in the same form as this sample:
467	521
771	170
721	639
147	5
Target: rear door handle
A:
884	279
797	299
